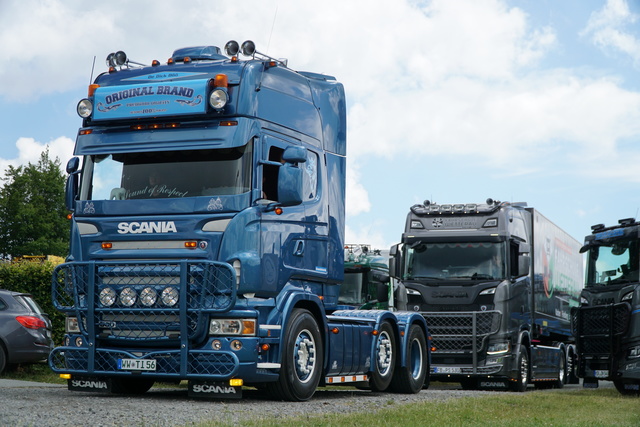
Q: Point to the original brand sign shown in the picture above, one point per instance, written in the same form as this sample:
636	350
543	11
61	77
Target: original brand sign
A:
456	223
213	389
150	100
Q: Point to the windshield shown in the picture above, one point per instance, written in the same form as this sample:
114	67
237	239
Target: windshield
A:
351	288
470	260
167	174
613	263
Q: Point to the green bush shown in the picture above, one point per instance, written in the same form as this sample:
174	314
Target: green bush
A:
34	278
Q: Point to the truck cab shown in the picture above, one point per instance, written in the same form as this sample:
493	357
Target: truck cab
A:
607	323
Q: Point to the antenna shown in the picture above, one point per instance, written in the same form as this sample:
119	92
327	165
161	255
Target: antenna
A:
92	68
273	24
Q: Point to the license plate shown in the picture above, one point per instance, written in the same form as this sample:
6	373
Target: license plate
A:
137	364
601	373
446	370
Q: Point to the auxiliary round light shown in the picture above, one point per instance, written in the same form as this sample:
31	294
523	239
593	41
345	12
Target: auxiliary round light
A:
148	297
128	297
236	345
84	108
216	344
107	297
79	341
232	48
169	296
218	99
248	48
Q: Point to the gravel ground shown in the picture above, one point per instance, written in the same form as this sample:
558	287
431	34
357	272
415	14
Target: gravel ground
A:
34	404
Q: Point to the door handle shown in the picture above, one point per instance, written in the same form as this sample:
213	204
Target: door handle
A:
298	249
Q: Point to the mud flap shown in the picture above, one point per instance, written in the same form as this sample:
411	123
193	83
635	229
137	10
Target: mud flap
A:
493	384
94	384
214	390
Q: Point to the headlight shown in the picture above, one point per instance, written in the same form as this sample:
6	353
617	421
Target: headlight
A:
128	297
627	297
489	291
169	296
583	301
232	327
634	352
71	325
107	297
84	108
497	348
218	99
148	297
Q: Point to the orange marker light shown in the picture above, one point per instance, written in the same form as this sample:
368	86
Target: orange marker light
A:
107	245
92	89
191	245
221	80
278	210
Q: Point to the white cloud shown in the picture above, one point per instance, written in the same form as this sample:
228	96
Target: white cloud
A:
29	151
608	29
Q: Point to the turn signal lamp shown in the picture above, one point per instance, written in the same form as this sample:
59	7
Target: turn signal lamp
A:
107	245
65	376
191	245
92	89
236	382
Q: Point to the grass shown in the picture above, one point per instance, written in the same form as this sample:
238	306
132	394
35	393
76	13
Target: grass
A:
39	372
602	407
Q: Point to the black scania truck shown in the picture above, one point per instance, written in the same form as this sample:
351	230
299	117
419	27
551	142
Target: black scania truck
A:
496	283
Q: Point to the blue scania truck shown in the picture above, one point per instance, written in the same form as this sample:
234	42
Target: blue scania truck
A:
207	236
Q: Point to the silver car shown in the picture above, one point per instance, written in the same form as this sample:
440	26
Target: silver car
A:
25	330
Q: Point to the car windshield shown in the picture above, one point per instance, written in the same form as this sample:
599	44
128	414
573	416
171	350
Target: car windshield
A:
167	174
613	263
459	260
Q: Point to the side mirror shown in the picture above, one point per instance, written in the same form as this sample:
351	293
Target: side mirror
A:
394	261
72	165
295	154
289	185
524	265
382	289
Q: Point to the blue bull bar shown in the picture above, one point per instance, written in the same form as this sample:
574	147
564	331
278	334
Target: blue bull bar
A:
156	309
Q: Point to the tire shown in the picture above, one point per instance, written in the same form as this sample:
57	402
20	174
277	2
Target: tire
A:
130	385
410	379
562	372
302	359
3	359
522	364
633	390
384	363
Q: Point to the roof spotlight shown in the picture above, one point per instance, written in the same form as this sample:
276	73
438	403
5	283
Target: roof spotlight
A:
120	57
232	48
111	60
248	48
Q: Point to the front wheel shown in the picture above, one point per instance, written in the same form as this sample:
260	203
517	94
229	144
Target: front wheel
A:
522	378
384	361
301	359
410	378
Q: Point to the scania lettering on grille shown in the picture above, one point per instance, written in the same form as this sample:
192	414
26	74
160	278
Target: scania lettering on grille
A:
147	227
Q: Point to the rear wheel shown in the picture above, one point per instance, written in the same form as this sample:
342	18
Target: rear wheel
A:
562	371
522	378
384	361
301	359
410	378
130	385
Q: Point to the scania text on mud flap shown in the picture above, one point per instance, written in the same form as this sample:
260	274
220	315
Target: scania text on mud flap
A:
495	282
607	323
207	235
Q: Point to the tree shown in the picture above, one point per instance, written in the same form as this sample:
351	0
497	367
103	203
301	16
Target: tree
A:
32	210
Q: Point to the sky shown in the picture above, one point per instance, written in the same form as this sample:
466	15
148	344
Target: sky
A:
452	101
